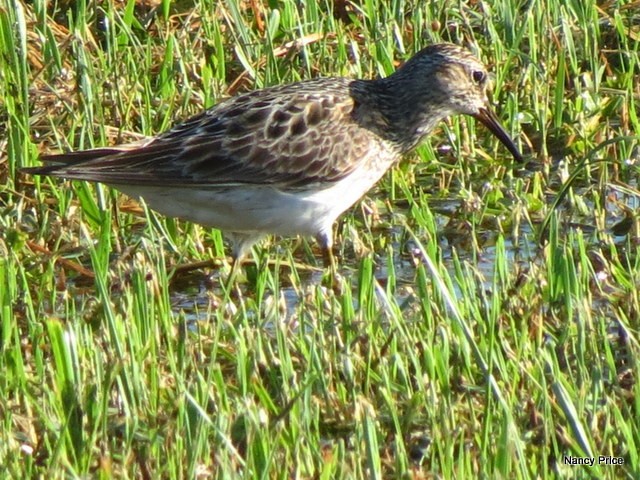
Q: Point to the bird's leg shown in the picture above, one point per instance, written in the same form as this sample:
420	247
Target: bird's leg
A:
236	265
229	286
325	239
326	244
241	247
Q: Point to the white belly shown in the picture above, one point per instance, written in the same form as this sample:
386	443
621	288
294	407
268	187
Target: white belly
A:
259	209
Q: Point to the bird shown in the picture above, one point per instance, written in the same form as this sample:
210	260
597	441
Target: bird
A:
288	160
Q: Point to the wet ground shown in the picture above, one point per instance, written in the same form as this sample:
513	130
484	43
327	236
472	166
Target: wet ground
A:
196	295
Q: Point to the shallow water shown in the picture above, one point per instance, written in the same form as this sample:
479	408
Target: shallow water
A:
197	304
521	249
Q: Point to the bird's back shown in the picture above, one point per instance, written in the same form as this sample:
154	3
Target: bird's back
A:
288	136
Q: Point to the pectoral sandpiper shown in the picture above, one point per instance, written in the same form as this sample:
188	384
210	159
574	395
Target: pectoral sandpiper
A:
288	160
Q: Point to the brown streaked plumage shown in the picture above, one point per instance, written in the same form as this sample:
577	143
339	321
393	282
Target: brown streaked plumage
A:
290	159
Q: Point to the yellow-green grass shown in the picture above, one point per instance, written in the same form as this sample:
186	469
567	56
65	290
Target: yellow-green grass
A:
490	318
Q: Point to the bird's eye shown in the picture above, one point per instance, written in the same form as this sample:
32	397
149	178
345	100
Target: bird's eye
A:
478	76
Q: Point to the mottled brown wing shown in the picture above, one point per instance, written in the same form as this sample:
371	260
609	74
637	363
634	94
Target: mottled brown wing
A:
288	136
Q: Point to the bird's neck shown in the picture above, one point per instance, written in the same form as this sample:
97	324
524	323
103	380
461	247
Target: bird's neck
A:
402	116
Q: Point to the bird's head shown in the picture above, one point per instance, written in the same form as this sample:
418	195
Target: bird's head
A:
445	80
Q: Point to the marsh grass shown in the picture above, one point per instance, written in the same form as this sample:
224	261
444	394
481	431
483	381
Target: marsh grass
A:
460	347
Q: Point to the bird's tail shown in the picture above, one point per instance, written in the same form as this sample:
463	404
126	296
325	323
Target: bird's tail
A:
54	162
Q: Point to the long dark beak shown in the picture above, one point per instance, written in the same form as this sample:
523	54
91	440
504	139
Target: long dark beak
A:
490	120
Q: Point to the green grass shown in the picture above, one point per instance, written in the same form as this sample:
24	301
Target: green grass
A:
460	347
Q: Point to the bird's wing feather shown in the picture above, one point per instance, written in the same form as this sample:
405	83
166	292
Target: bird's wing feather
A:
286	136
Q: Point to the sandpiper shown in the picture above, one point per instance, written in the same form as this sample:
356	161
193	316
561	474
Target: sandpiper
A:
288	160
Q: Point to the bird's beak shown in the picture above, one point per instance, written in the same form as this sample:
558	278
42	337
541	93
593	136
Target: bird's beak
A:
489	119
